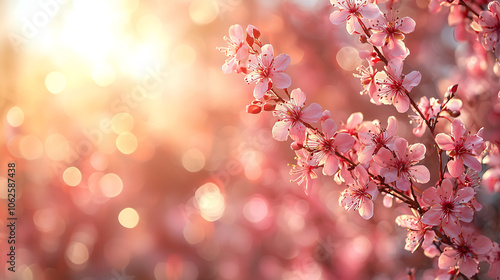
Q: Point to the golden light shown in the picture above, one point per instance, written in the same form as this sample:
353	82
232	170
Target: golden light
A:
203	11
15	116
126	143
56	147
149	26
72	176
210	202
193	160
77	253
55	82
122	122
128	217
184	55
348	58
111	185
103	74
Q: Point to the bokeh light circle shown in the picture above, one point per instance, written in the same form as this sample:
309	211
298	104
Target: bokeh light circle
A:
72	176
55	82
111	185
15	116
128	217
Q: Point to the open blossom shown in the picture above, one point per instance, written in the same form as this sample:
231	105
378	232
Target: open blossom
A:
327	144
447	209
360	195
401	167
236	51
267	70
304	170
418	233
461	147
430	109
488	26
464	252
394	86
376	139
291	114
352	11
388	33
367	77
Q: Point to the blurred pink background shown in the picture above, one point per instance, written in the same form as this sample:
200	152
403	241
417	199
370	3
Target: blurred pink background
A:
136	160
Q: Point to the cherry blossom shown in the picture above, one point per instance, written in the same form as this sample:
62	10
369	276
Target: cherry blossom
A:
418	233
326	145
304	170
464	252
360	195
394	87
488	26
267	70
376	139
291	116
430	109
367	77
461	148
447	209
400	166
352	11
388	33
236	51
494	260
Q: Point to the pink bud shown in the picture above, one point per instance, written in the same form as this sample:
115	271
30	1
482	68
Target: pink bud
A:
253	109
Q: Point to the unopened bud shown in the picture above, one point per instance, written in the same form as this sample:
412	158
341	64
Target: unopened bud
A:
451	91
296	146
453	113
363	39
269	107
253	109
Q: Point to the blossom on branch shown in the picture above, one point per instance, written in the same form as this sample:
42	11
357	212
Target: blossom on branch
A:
488	26
236	51
352	11
418	233
267	70
388	33
360	195
461	147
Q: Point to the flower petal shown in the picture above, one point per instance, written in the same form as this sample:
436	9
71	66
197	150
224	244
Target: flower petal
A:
280	130
267	55
433	216
281	62
445	142
338	17
420	173
280	79
406	25
366	209
312	113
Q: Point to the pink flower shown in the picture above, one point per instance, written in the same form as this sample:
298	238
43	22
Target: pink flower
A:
359	195
461	148
418	233
304	169
488	26
373	141
367	77
446	208
389	34
267	70
491	180
291	114
400	167
472	180
464	253
494	260
236	51
326	145
352	124
352	11
394	86
430	109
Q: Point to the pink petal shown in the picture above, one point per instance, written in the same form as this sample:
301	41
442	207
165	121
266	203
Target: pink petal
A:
401	102
416	152
420	173
403	183
280	80
297	132
366	155
473	142
378	38
369	11
464	195
465	213
390	174
344	142
338	17
267	55
331	165
448	258
467	266
430	196
354	120
446	190
407	221
298	97
457	128
281	62
472	162
242	52
261	88
455	167
280	130
312	113
229	66
384	157
445	142
433	216
395	68
481	245
392	126
411	80
400	147
406	25
451	225
371	189
329	128
366	209
236	33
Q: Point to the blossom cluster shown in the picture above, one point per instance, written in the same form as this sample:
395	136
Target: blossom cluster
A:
367	157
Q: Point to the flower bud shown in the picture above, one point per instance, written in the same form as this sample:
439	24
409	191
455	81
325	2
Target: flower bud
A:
253	109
